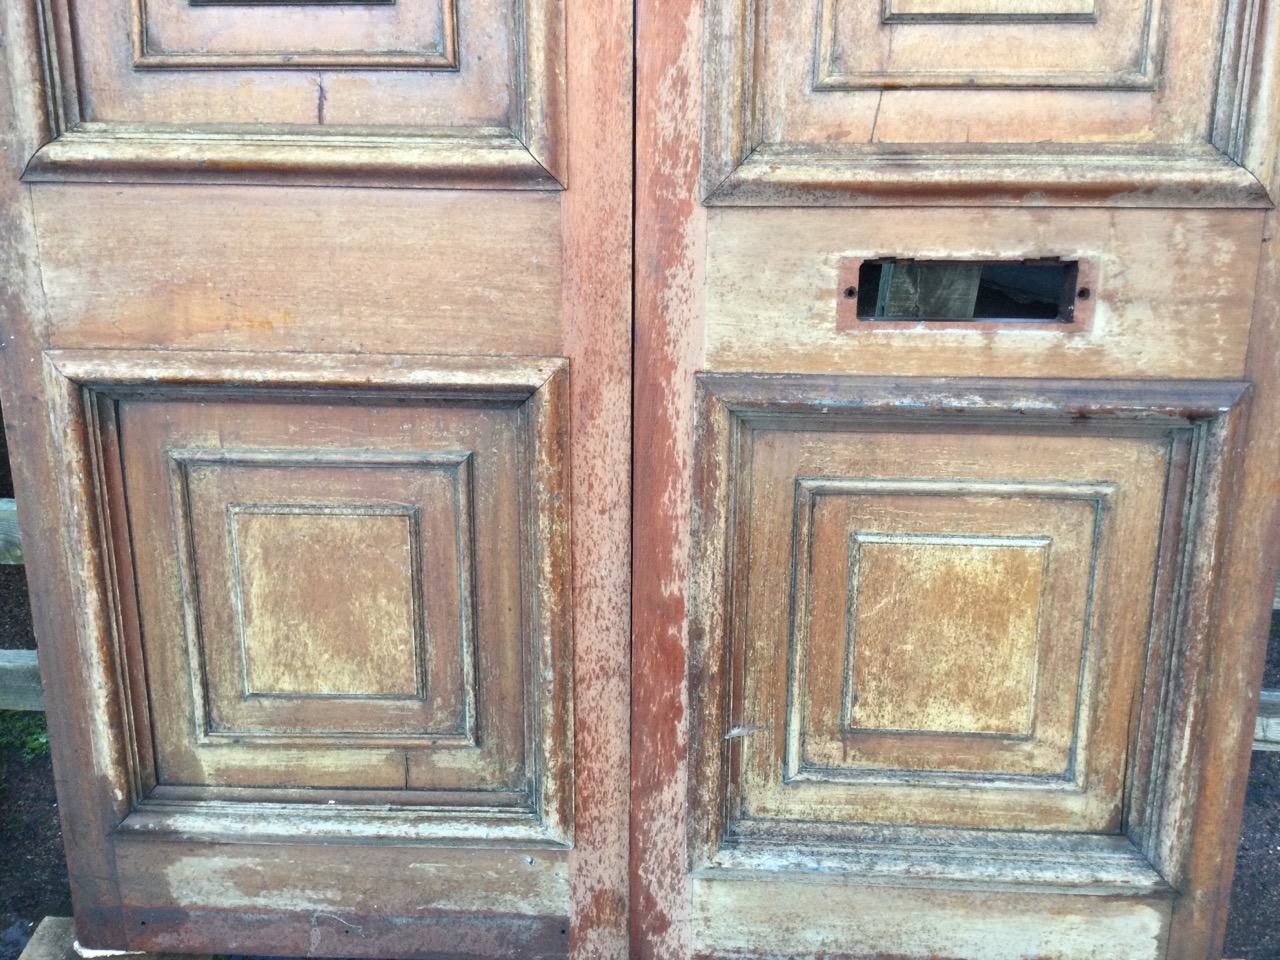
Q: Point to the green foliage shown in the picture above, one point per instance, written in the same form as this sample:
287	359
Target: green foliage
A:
25	731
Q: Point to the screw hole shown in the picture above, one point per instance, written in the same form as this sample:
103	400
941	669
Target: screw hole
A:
850	292
1084	293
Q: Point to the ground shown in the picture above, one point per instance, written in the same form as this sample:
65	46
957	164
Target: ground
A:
33	875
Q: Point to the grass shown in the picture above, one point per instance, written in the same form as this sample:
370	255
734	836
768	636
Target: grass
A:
26	732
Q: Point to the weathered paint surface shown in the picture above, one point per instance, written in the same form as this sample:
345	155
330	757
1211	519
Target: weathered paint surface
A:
670	239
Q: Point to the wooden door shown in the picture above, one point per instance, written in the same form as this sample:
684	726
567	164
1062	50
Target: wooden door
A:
317	377
956	432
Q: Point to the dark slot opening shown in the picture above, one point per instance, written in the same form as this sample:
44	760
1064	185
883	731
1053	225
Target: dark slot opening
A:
994	291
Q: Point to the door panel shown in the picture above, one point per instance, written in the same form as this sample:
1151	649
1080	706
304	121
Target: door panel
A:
426	91
817	104
263	550
303	312
775	289
925	634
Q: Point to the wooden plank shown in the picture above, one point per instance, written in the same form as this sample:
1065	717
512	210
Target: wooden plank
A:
10	539
1266	730
20	681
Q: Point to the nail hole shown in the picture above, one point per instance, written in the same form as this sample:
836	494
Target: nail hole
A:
1084	293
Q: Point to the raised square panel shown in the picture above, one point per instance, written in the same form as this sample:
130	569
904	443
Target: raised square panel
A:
1071	637
913	596
327	592
409	34
299	610
940	628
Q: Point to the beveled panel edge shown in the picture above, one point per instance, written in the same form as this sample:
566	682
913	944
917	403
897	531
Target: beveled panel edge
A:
1089	864
1158	813
501	379
841	398
1016	175
127	153
224	821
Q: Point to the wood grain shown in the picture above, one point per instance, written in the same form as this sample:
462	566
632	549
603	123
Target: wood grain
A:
427	272
1171	298
1215	764
669	283
753	919
83	753
193	90
1123	104
597	249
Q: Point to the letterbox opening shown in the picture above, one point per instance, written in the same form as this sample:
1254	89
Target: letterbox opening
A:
991	291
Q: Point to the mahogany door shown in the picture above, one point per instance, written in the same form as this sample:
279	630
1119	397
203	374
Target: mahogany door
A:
955	376
956	432
317	375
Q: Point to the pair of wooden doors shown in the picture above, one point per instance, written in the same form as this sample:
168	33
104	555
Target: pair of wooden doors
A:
485	495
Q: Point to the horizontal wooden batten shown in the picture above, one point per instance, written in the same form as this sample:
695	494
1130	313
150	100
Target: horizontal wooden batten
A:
125	153
1266	731
20	681
10	535
1019	174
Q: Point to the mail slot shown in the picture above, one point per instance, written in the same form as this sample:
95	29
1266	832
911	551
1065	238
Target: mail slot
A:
894	290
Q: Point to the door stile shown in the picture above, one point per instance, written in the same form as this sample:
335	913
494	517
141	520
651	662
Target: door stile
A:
597	325
669	283
1250	558
89	812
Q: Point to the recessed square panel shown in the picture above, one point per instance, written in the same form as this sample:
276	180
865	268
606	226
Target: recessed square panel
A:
939	43
943	633
339	595
909	102
412	92
408	34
